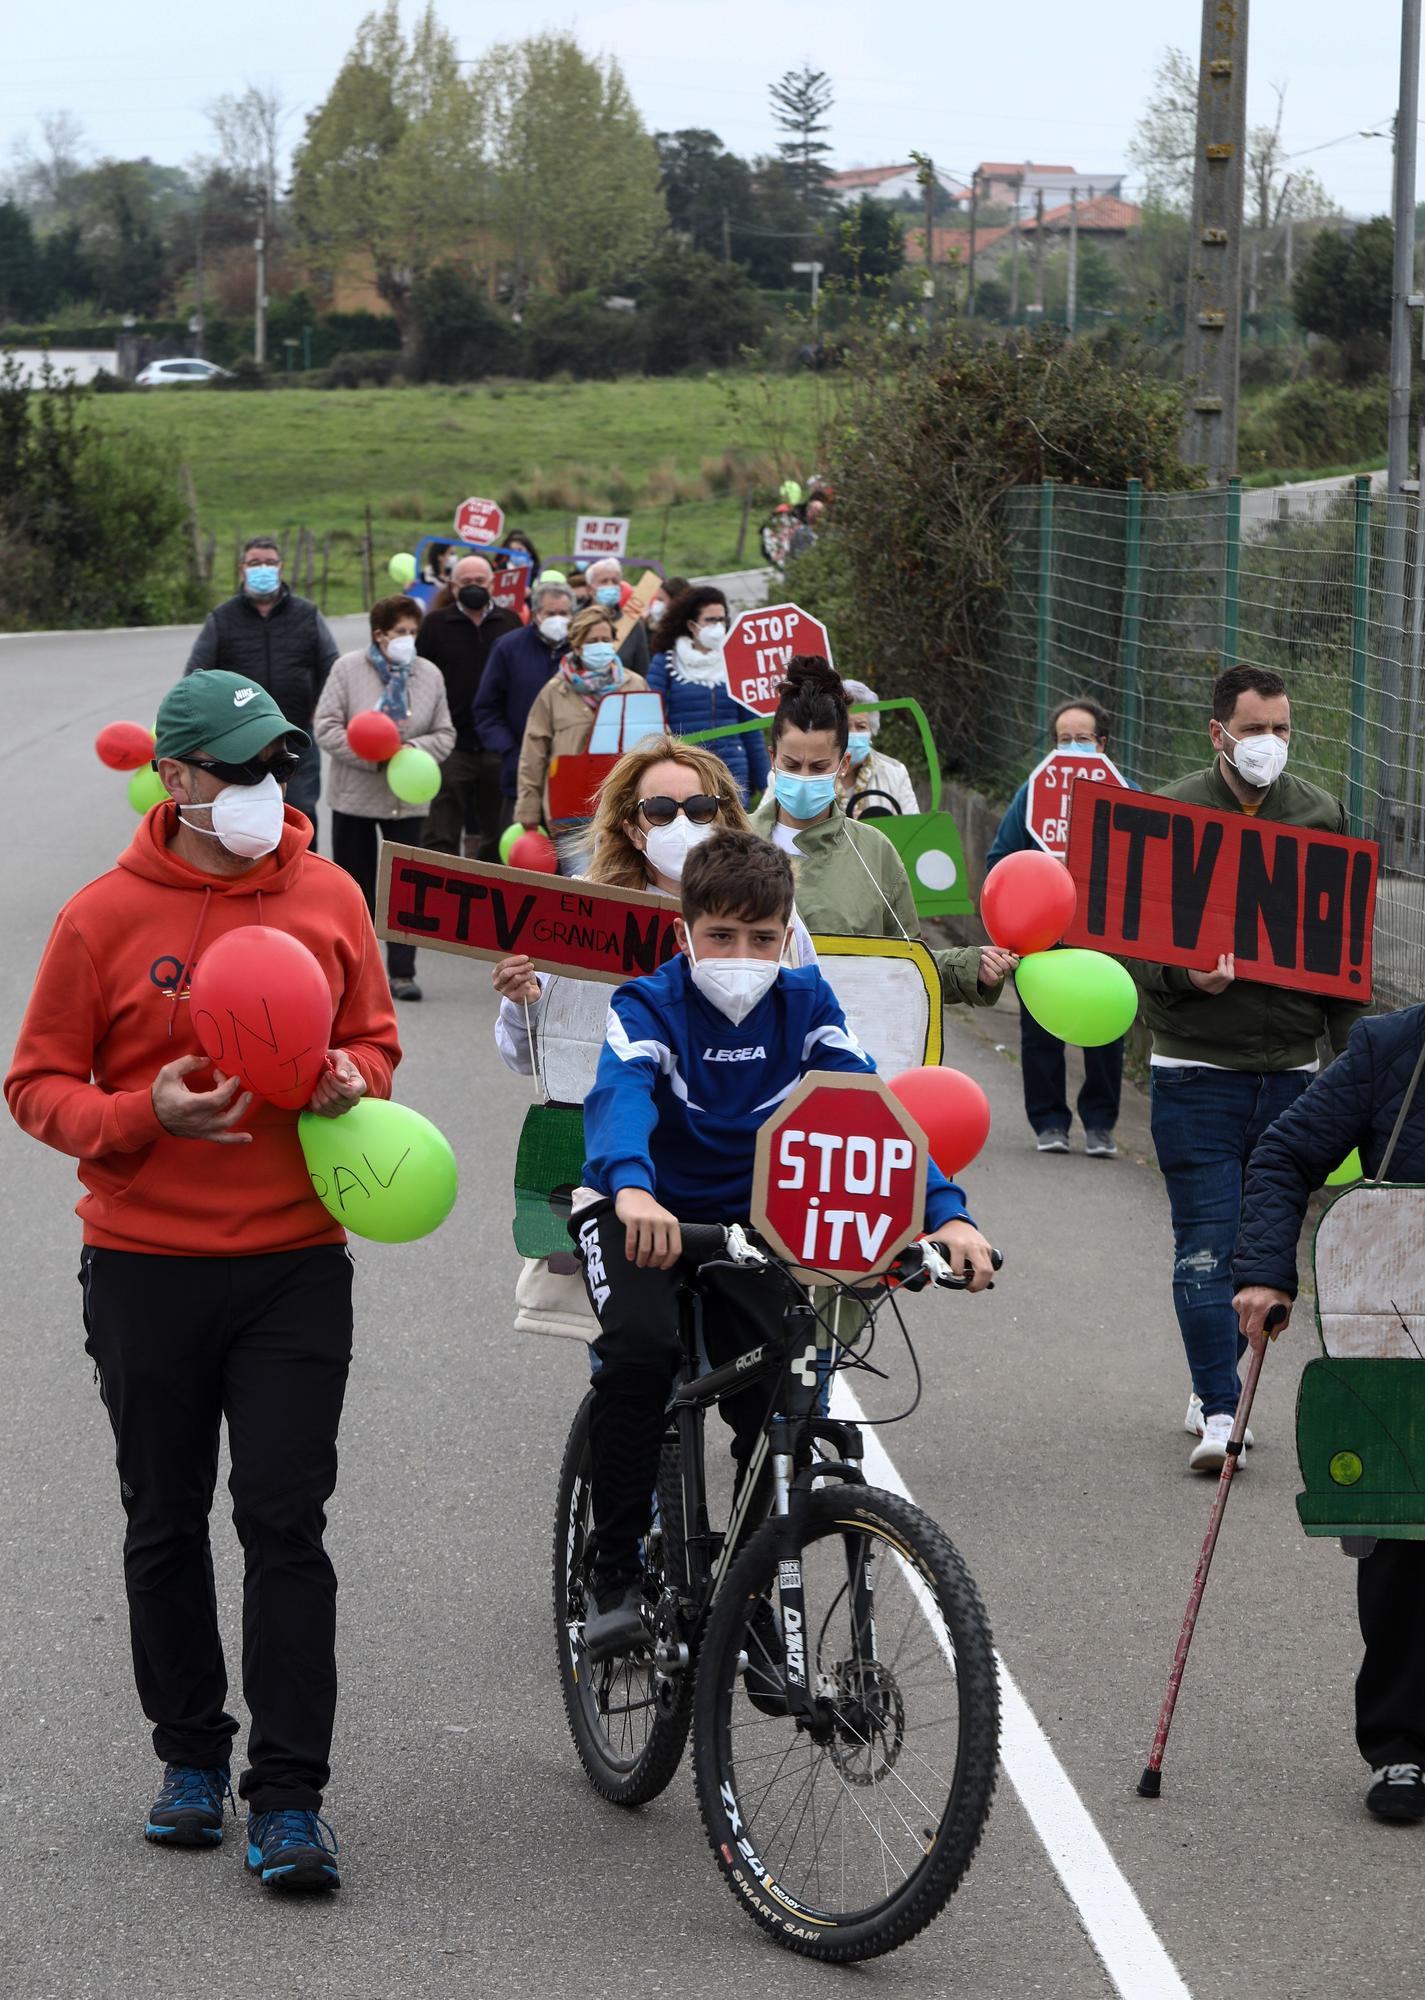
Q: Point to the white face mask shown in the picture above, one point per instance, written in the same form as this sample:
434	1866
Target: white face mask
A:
247	819
400	652
668	847
734	985
1260	760
554	629
710	637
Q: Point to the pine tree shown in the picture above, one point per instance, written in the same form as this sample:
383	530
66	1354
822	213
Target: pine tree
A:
800	101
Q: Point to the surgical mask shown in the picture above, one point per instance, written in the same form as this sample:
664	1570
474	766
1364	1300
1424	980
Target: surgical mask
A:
668	847
1259	759
247	819
400	652
804	798
1087	749
656	610
858	745
734	985
711	636
473	597
599	655
262	578
608	594
554	629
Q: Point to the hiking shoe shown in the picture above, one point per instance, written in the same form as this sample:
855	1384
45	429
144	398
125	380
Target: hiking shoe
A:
188	1811
1192	1422
1397	1792
616	1623
764	1677
1100	1146
1055	1140
405	989
291	1849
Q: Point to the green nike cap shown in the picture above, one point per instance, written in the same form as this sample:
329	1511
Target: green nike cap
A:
231	718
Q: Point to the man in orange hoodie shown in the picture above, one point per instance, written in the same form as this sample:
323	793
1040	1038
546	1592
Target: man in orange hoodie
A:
215	1283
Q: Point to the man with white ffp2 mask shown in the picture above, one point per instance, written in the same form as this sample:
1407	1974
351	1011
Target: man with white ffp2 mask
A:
1229	1055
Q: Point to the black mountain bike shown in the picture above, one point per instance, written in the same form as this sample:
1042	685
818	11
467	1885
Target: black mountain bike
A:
832	1658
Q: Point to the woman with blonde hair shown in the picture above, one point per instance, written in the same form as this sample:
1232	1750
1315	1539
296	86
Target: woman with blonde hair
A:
660	801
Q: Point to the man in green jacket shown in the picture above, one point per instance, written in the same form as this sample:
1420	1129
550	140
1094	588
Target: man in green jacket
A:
1229	1054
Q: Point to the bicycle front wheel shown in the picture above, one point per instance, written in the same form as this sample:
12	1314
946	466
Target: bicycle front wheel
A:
846	1837
629	1722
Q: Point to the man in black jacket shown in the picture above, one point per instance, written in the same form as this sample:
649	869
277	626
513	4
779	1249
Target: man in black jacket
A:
458	638
1353	1103
281	641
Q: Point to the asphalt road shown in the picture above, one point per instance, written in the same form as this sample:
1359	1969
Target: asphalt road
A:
475	1858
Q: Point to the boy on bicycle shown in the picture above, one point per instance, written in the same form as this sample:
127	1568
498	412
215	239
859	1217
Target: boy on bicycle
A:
696	1058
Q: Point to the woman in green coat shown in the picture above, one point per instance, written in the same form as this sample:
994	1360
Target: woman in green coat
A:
850	880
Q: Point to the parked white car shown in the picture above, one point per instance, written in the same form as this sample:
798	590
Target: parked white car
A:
162	374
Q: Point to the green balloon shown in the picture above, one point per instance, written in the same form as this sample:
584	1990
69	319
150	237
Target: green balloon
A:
508	838
1083	997
146	788
380	1169
403	569
413	775
1349	1170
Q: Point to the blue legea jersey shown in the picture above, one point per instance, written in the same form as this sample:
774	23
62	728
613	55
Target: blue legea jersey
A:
680	1092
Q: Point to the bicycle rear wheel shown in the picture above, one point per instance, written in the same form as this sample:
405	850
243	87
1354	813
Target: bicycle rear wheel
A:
629	1722
846	1838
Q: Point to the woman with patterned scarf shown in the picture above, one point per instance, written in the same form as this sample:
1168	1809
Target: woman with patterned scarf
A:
386	675
562	721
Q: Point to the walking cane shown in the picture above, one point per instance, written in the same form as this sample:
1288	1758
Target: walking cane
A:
1151	1782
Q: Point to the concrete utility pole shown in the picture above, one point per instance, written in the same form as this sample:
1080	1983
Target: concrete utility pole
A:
1071	304
1402	340
1014	254
1039	253
1214	293
974	216
930	240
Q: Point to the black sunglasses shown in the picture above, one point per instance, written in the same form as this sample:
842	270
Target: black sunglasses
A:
280	765
702	808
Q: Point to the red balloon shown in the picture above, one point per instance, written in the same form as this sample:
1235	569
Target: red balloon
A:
125	746
1028	902
535	850
373	736
262	1010
951	1110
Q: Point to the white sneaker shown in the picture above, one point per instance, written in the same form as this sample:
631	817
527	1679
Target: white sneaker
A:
1192	1422
1211	1454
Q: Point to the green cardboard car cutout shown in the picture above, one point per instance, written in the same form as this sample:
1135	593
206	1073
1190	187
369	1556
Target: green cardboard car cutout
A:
1360	1412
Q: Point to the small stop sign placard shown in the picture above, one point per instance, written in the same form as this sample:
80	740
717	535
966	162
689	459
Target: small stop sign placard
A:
759	647
838	1187
1051	786
479	521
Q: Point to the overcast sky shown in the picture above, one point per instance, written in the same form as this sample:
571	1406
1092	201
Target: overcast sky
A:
1043	79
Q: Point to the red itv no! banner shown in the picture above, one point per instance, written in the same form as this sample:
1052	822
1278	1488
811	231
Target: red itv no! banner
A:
1179	884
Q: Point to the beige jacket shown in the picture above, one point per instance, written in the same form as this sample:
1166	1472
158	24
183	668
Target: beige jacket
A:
560	725
353	684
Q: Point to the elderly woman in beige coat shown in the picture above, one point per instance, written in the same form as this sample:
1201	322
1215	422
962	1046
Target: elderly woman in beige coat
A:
562	720
390	676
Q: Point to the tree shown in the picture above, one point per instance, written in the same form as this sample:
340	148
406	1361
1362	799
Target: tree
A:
698	310
22	276
390	169
703	186
866	245
123	246
777	231
43	180
1164	141
800	101
1344	287
577	199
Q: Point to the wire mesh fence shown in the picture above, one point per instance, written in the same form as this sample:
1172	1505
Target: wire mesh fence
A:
1141	599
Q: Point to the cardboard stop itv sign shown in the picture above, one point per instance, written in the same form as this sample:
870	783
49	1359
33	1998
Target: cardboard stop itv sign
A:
838	1184
1051	786
481	522
759	648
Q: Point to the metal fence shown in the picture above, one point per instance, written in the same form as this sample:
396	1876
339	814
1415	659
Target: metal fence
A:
1140	599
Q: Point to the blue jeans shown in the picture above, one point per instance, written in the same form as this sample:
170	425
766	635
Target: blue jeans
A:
304	787
1205	1124
1046	1103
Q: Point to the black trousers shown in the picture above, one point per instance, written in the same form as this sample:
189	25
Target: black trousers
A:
178	1344
355	848
467	807
1046	1102
638	1355
1390	1689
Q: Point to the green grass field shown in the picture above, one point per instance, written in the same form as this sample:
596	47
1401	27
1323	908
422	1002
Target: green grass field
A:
674	454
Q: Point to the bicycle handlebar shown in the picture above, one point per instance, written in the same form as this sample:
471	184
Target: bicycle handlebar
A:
921	1263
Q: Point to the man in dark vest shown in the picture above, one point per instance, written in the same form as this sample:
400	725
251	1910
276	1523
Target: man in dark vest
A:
281	642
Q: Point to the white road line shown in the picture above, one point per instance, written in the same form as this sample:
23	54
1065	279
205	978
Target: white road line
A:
1114	1921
